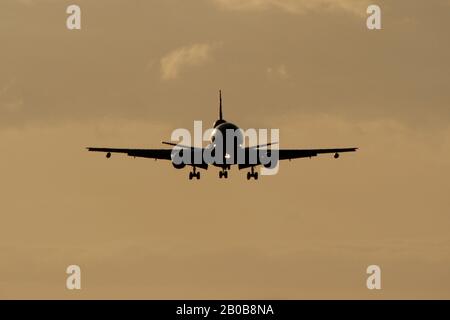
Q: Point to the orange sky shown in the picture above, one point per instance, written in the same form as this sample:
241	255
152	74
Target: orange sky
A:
140	229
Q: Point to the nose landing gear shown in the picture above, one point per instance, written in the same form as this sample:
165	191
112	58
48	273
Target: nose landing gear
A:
223	174
252	174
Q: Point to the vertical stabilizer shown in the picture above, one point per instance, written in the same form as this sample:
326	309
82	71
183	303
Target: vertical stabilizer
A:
220	120
220	105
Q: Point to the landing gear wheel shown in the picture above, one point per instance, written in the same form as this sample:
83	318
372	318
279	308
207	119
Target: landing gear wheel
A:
252	174
223	174
194	174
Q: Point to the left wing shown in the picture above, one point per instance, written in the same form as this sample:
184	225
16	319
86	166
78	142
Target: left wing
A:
163	154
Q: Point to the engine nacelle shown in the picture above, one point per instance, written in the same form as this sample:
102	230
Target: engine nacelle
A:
269	159
176	157
179	166
270	164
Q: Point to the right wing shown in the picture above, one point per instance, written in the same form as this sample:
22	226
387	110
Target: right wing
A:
288	154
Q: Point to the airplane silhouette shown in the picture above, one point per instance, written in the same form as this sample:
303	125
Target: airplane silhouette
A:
221	126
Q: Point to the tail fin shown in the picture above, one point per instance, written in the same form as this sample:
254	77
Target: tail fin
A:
220	105
220	120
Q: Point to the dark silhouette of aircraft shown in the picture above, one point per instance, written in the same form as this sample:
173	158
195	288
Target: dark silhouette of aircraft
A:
221	126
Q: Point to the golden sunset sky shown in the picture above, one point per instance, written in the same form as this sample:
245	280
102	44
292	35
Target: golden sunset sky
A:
140	229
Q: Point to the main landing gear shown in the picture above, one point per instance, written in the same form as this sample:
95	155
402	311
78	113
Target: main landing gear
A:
193	174
252	174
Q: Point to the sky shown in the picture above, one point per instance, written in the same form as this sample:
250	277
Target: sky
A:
139	229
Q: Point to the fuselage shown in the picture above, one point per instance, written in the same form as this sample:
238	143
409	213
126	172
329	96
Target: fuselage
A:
228	137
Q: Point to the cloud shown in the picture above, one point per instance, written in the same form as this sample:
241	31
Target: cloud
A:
182	58
279	72
296	6
7	87
10	98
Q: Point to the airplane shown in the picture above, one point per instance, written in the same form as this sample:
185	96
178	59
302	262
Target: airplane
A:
221	126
